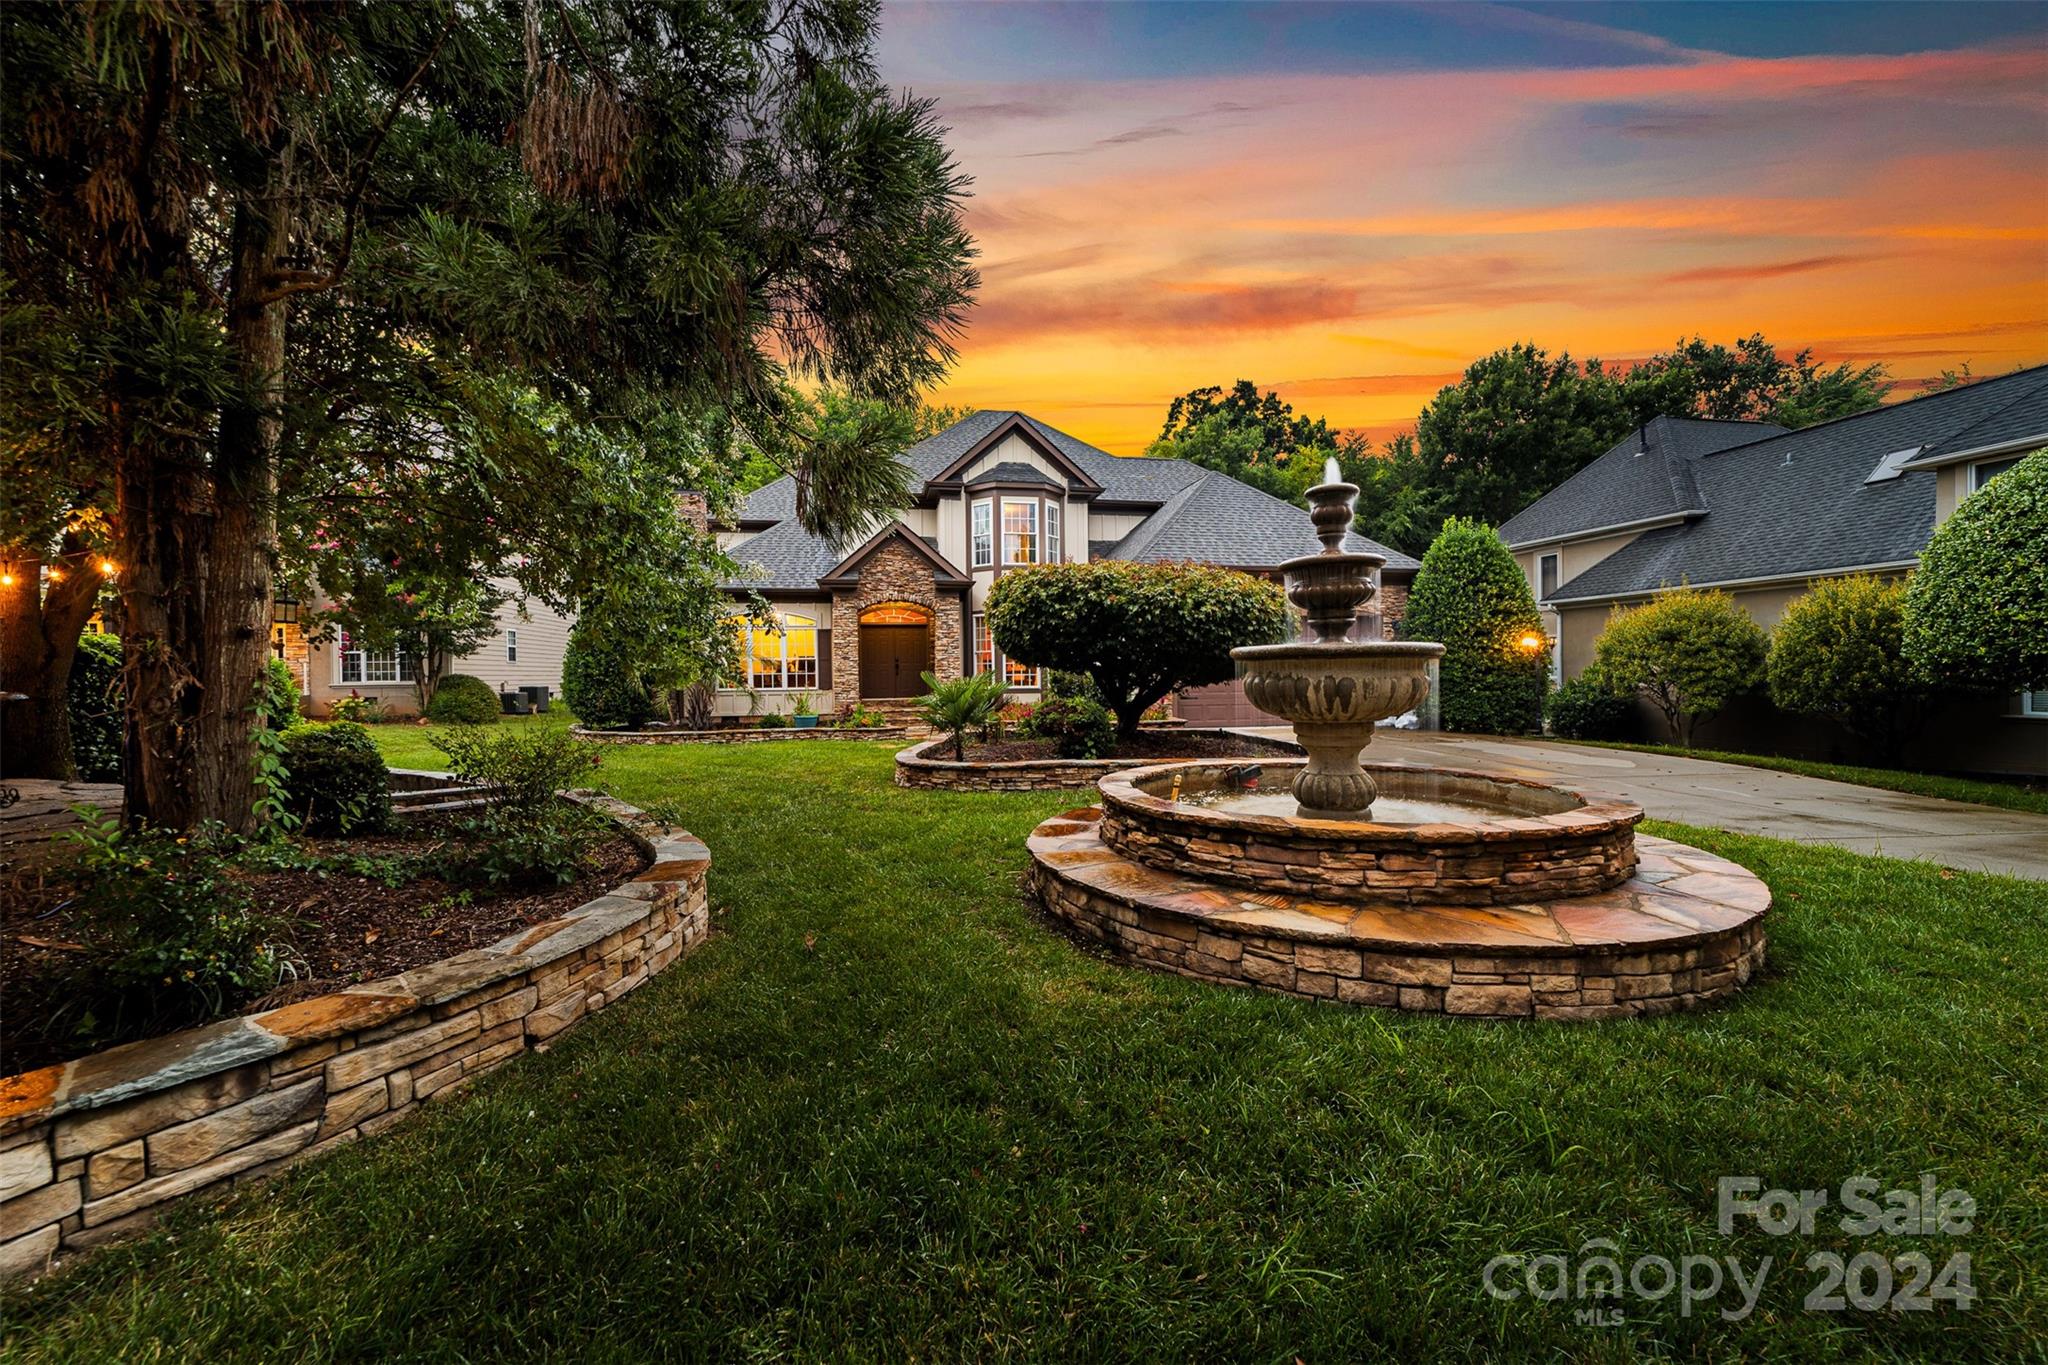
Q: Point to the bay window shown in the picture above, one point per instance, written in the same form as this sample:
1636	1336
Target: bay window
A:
1020	530
983	536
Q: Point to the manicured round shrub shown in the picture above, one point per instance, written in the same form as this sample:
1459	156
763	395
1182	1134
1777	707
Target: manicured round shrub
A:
1081	727
1471	598
601	687
1839	652
335	780
277	696
1977	609
1687	652
462	700
1583	709
94	697
1140	630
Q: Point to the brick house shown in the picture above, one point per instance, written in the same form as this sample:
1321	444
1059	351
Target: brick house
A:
994	492
1761	512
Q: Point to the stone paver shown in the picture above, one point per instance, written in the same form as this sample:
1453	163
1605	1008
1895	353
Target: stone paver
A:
1807	810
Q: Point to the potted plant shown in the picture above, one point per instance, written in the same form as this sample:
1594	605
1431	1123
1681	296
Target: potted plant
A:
803	714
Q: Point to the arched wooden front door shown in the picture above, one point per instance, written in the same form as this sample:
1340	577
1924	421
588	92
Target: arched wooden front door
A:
895	650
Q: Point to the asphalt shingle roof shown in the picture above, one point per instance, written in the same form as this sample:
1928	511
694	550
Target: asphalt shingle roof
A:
1646	474
1198	513
1798	503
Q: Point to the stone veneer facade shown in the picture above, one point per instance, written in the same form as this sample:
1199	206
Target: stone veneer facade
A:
893	573
1688	930
918	766
1513	858
93	1149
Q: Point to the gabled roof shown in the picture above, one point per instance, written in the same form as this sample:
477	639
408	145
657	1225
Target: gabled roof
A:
1018	425
847	570
1217	520
1799	503
1645	476
1013	474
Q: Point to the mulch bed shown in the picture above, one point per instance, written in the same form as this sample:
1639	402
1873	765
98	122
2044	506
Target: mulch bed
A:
1164	746
343	929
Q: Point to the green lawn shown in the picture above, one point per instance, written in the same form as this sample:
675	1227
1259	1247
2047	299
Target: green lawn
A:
887	1113
1976	791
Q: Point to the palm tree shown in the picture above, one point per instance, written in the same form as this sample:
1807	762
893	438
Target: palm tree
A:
962	704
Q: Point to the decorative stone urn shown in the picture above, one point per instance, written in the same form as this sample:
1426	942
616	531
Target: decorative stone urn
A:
1331	688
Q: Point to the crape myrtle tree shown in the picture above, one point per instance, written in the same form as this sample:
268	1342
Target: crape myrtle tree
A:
237	238
1687	652
1140	631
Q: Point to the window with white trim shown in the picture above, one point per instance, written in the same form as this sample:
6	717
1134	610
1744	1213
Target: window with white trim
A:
782	656
984	551
1017	675
511	646
369	665
984	645
1987	470
1052	533
2035	703
1020	530
1546	576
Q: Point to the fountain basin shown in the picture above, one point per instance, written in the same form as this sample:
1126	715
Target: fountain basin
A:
1436	836
1334	692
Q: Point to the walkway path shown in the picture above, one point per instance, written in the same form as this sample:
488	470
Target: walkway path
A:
1807	810
29	827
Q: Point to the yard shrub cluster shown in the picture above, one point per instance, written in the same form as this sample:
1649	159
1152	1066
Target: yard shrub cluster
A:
335	780
171	936
1583	709
1471	597
1080	726
601	684
525	832
1977	609
93	698
1688	653
462	700
1140	631
1839	652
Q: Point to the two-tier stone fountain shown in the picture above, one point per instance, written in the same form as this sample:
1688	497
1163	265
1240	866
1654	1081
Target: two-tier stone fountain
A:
1391	884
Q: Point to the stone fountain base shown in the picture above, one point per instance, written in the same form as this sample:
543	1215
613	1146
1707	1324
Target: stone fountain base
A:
1685	929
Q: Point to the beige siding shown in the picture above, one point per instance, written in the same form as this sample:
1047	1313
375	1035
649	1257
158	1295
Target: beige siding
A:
543	641
1112	525
1013	450
737	701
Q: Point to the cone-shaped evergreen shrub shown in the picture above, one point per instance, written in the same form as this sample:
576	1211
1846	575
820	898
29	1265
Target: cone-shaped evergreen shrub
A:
1471	597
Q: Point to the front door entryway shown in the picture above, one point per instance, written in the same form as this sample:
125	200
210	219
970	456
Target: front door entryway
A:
895	651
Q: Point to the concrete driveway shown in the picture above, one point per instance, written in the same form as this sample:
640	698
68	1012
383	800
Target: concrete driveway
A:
1807	810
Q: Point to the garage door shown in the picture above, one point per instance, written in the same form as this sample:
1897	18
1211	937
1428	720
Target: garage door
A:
1222	704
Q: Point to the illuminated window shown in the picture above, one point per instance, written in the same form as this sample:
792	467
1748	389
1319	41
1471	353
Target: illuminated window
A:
1020	531
984	536
782	656
1017	675
1052	533
984	646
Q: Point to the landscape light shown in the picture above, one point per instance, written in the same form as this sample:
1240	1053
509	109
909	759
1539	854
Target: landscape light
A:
1531	641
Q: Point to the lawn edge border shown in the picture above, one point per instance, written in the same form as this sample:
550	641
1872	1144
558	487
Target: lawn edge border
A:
93	1149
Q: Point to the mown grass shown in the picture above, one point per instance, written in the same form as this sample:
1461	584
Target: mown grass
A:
887	1113
1974	790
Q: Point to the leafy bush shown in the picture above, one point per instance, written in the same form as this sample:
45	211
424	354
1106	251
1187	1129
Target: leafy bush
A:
1977	609
94	698
1688	652
1081	727
958	705
1471	597
357	709
1839	651
601	685
774	720
463	700
335	779
525	832
1141	631
858	715
277	696
1583	709
171	936
1060	683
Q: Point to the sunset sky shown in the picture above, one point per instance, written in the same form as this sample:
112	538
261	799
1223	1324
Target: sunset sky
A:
1349	203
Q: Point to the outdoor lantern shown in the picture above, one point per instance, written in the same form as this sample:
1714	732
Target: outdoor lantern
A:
284	612
1531	641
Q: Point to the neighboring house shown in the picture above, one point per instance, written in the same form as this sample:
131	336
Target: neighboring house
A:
994	492
1761	512
526	651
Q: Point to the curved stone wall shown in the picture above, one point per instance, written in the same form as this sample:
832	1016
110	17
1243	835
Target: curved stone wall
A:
94	1148
1531	851
738	735
916	766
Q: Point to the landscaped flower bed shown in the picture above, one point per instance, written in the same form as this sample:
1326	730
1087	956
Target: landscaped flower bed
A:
92	1148
1035	764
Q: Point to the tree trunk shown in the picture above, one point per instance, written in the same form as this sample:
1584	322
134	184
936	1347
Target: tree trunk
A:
38	640
200	556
